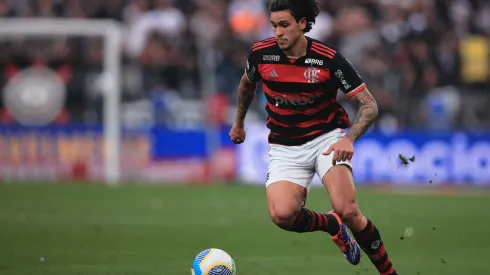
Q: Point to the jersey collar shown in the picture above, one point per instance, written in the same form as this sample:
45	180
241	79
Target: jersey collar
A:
300	58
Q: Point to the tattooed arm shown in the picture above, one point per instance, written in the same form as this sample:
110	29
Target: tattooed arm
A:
366	114
351	84
246	94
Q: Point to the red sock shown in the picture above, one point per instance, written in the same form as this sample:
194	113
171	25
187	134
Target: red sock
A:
370	241
309	221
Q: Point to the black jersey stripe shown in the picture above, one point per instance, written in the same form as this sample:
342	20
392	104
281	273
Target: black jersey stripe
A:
295	118
298	131
293	87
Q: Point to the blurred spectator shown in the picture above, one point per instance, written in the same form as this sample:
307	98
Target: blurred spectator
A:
426	61
167	20
248	20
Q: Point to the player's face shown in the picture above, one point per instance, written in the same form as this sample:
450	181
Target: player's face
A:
286	30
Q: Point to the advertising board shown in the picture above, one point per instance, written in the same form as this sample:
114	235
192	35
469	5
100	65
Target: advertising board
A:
54	153
440	158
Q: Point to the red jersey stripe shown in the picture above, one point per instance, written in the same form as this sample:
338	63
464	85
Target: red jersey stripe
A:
356	90
326	48
322	52
265	41
270	41
292	73
305	124
263	46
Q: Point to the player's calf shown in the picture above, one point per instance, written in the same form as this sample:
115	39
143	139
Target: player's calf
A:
369	239
310	221
351	216
364	231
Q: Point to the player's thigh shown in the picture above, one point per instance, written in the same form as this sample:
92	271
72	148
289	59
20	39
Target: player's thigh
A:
324	162
287	188
284	200
291	164
340	186
288	180
337	178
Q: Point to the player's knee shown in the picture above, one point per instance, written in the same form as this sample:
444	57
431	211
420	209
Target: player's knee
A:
283	216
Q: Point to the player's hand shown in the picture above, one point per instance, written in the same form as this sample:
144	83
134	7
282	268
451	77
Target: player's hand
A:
343	150
237	134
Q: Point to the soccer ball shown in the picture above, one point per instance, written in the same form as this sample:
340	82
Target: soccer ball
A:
213	261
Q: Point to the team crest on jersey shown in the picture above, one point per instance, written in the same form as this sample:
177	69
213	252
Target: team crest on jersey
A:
312	75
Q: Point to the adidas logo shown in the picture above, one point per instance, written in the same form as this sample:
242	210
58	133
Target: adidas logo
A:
273	74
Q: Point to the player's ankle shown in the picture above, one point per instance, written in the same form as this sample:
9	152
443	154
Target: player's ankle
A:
354	220
333	224
358	225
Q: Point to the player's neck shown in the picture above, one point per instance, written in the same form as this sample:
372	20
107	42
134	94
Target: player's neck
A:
298	49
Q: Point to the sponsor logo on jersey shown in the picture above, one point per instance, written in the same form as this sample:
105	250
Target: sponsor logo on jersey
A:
273	74
313	61
295	100
340	75
250	70
271	58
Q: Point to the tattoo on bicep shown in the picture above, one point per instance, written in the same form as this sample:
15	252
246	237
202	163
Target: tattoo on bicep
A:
366	115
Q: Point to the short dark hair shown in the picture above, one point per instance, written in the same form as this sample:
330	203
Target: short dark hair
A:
299	9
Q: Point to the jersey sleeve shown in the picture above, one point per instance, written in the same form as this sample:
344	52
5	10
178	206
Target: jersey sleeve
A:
252	68
345	77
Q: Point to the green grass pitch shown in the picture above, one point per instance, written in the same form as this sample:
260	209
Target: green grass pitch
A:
94	229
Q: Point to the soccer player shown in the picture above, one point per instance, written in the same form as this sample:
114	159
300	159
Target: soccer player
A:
300	78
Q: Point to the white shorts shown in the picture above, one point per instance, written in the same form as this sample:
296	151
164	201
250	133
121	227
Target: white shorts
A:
299	164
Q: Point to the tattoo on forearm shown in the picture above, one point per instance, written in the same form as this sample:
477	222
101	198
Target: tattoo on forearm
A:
246	94
366	115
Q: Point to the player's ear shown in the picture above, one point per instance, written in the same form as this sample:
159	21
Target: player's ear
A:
303	23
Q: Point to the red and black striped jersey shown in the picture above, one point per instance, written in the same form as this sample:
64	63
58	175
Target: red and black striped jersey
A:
301	92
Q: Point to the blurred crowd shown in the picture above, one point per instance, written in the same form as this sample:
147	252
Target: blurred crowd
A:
426	61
